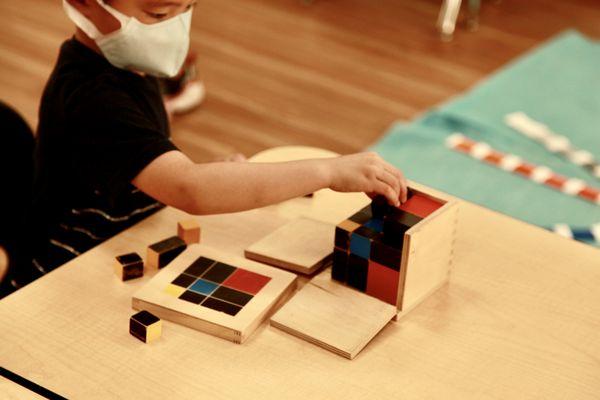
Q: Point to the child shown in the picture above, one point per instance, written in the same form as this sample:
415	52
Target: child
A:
104	159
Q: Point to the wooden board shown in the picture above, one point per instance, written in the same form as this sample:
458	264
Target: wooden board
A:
333	316
302	245
219	294
427	261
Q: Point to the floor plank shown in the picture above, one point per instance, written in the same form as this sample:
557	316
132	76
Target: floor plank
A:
331	73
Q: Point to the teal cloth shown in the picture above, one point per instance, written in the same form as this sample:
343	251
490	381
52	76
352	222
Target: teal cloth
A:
557	84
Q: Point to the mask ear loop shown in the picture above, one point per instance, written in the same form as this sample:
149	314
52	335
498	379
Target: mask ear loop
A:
88	26
81	21
122	18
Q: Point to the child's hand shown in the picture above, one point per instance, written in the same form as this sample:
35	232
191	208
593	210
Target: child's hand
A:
369	173
237	157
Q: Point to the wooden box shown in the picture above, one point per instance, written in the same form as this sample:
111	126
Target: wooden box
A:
396	257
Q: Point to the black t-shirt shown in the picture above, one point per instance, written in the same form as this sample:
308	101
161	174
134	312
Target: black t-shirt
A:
99	126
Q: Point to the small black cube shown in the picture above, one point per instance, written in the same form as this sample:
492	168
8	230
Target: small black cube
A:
145	326
129	266
161	253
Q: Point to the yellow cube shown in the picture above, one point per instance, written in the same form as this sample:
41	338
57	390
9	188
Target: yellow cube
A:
189	231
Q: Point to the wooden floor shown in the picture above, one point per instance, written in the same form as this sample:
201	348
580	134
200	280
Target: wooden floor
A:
334	73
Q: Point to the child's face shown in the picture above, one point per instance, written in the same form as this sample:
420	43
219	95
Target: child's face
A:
151	11
145	11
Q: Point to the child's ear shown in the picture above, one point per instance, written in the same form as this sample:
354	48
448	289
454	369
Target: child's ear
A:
83	6
94	12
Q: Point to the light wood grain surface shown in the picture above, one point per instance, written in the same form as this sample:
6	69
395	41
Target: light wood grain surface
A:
10	391
519	319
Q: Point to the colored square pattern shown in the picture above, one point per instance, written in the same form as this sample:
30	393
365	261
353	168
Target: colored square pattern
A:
246	281
362	217
368	245
342	238
420	205
358	268
184	280
174	290
192	297
219	272
383	282
199	266
231	309
203	287
375	224
339	268
387	255
360	245
215	285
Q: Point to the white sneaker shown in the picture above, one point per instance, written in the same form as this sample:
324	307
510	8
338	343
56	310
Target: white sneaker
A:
187	99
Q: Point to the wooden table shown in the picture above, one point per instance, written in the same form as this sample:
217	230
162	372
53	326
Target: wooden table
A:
520	318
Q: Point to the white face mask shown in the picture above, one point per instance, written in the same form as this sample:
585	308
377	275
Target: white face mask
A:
156	49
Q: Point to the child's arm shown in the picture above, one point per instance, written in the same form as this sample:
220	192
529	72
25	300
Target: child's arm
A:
223	187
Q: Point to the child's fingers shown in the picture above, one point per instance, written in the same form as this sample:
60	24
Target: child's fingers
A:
237	157
392	181
404	186
403	190
386	190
